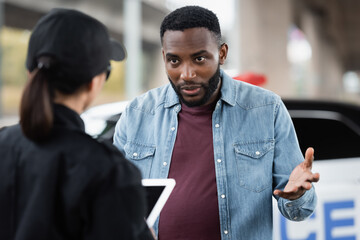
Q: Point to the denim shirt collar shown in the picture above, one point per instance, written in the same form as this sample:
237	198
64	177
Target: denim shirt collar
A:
171	98
228	92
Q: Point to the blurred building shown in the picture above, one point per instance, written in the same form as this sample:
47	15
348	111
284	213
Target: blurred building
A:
303	47
330	27
23	14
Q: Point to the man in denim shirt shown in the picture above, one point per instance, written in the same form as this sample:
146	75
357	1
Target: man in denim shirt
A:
229	145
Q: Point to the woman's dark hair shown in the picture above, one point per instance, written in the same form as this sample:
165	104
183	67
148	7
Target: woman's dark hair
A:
36	107
36	114
191	17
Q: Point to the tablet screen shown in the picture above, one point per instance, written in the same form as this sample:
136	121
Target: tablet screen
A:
157	193
152	195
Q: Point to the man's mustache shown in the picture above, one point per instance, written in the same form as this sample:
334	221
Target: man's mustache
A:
189	86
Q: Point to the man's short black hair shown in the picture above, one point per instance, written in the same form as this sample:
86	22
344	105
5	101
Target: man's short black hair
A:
191	17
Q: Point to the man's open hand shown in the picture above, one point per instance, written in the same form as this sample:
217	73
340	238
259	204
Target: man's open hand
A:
300	179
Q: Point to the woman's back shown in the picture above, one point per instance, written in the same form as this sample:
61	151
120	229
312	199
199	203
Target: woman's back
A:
68	187
56	182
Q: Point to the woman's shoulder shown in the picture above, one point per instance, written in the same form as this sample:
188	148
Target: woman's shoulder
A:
98	157
11	135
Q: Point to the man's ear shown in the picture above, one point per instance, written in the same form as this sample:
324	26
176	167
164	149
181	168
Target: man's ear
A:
223	53
163	54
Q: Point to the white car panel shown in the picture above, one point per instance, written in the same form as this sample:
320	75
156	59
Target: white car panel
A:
337	216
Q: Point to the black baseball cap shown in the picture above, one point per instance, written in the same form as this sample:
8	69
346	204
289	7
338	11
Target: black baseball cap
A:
79	43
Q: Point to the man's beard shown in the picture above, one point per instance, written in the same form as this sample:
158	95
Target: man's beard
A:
210	88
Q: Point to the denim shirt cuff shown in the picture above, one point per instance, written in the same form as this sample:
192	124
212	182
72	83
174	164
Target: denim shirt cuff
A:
302	207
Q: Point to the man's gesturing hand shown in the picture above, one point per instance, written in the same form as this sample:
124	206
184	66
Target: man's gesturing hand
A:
300	179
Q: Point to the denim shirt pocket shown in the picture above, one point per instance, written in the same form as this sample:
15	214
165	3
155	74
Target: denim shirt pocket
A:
141	155
254	160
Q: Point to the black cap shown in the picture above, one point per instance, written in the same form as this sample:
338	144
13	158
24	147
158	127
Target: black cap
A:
80	44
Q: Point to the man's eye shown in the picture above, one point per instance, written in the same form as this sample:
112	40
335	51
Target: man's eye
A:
200	59
173	61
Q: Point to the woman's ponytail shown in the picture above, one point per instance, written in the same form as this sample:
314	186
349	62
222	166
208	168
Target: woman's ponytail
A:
36	109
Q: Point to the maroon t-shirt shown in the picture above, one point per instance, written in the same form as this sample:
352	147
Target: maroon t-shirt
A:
192	210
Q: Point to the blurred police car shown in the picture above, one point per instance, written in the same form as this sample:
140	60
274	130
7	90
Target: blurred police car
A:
100	120
333	130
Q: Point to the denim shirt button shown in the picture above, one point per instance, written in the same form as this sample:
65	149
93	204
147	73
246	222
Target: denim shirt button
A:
226	231
165	163
257	153
219	160
172	129
135	154
222	195
217	125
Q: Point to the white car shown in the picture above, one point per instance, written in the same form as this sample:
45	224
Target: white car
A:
100	120
333	130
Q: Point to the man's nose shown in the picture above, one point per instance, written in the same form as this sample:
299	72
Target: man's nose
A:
188	72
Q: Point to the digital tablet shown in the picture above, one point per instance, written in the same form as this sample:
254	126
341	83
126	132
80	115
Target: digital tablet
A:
157	193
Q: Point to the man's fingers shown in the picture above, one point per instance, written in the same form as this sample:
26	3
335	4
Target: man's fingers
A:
281	194
308	177
276	192
306	185
286	195
315	177
309	157
287	191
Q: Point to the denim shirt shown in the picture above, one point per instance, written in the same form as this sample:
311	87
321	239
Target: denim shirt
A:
255	150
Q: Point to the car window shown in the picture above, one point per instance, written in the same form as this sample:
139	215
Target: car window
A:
107	133
330	138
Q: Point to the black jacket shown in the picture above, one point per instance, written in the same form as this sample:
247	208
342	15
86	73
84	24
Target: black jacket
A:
70	187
